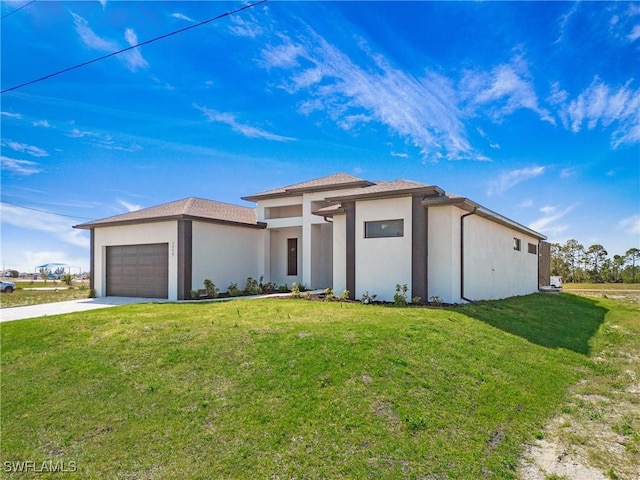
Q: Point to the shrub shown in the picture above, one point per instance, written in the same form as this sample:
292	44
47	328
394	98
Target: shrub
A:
328	295
400	297
92	293
416	300
233	290
270	287
195	294
211	289
67	279
252	287
435	301
344	297
283	289
367	299
295	291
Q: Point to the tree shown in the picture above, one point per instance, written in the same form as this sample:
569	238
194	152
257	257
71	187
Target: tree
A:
616	268
595	257
573	252
44	274
632	255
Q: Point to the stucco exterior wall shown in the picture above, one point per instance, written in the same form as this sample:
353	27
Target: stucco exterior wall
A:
225	254
381	263
160	232
444	254
492	268
339	253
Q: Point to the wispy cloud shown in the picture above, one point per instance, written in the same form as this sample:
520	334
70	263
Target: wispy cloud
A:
567	172
89	37
501	91
181	16
600	104
24	148
547	224
43	222
246	26
508	180
11	115
630	225
19	167
41	123
131	207
423	111
132	59
635	33
102	140
246	130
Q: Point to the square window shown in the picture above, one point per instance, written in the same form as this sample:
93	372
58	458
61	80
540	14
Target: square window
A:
532	248
384	229
516	243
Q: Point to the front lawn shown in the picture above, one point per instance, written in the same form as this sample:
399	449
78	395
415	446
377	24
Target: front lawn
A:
292	388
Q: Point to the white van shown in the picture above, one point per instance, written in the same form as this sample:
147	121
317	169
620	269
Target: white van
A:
556	281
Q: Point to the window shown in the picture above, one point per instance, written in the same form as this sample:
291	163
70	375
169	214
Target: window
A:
516	243
532	248
292	256
385	228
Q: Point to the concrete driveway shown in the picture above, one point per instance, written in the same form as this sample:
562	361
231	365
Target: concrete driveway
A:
72	306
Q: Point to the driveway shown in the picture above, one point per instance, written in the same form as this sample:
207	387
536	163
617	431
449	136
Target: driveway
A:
72	306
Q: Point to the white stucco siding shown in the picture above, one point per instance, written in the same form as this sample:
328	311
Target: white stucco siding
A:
339	253
492	268
444	254
381	263
147	233
225	254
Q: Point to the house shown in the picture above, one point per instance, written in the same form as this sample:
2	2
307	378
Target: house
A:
338	231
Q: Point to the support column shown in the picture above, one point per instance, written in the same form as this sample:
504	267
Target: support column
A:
185	259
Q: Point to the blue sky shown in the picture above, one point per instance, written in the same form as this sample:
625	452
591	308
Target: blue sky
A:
530	109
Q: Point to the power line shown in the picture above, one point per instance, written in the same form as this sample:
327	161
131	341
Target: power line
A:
17	10
45	211
147	42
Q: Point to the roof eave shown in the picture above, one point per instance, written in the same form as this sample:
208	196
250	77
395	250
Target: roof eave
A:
426	191
471	206
296	191
120	223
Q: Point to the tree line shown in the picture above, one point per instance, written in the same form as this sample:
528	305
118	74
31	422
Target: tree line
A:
575	263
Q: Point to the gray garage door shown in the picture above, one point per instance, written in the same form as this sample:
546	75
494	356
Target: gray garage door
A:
138	271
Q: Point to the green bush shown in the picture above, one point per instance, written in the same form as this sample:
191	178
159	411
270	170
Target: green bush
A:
400	297
211	289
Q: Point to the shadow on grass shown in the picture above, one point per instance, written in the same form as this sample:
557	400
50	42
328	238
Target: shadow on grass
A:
553	321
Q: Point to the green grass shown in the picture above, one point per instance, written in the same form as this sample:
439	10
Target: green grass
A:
294	389
21	297
601	286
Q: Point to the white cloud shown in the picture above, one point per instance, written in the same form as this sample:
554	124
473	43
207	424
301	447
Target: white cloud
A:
510	179
90	38
600	104
631	225
423	111
24	148
547	224
41	123
181	16
55	225
400	155
246	27
76	133
635	33
129	206
11	115
246	130
502	91
19	167
526	203
31	259
103	3
567	172
133	58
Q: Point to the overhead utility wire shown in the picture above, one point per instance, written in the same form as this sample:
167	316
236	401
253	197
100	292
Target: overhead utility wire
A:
226	14
16	10
45	211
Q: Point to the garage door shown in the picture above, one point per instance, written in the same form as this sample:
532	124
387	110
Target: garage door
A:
138	271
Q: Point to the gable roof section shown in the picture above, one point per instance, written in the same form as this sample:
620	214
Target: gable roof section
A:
331	182
189	209
396	188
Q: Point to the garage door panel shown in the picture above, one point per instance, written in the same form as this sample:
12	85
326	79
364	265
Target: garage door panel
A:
138	270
